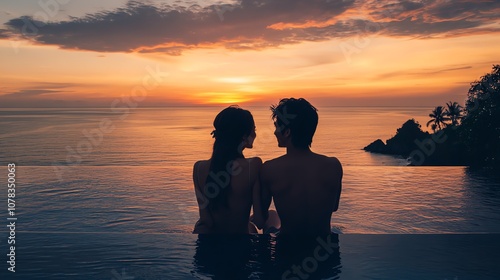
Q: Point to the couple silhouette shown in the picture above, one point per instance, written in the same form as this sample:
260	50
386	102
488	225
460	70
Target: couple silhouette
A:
304	185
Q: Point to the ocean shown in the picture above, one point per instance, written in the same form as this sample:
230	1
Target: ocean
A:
94	188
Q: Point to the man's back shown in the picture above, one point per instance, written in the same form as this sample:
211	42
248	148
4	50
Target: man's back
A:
306	190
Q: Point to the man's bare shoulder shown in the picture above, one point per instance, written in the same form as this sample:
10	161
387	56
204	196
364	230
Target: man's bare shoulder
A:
272	163
335	162
335	165
329	162
270	166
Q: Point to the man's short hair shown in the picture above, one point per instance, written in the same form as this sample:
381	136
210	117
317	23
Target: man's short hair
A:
300	117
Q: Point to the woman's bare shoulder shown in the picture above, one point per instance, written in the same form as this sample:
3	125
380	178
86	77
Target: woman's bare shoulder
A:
255	165
252	164
201	164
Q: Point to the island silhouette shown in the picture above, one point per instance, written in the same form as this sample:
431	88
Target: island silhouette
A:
467	135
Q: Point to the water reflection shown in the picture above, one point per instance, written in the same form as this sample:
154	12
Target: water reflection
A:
267	257
482	191
170	256
483	175
484	183
223	257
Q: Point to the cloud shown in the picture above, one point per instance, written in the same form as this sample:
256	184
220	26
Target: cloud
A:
4	34
42	94
421	73
255	24
30	92
38	89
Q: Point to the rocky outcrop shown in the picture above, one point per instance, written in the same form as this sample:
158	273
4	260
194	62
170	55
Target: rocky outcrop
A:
377	146
403	143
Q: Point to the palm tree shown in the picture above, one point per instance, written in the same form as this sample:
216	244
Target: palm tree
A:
438	118
454	111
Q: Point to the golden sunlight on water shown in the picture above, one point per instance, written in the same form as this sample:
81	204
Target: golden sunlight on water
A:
179	136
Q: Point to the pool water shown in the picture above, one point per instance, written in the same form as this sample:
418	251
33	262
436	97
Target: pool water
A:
186	256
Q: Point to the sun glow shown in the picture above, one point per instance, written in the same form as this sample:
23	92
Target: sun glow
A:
223	98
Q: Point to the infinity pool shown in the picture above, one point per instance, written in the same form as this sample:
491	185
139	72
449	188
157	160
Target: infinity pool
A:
185	256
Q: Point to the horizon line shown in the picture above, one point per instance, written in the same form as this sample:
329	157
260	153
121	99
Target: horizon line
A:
220	105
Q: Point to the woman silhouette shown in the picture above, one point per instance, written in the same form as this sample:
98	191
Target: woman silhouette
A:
227	184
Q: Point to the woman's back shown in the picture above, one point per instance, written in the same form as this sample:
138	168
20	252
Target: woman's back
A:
240	178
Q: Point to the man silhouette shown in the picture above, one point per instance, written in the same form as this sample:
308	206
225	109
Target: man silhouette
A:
305	186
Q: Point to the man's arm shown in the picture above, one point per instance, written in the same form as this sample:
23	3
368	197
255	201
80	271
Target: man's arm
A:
266	195
255	168
262	199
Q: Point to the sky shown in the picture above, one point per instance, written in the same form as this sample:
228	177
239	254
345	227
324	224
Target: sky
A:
72	53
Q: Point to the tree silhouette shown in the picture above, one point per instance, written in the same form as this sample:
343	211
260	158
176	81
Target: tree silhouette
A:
481	122
438	118
434	127
454	112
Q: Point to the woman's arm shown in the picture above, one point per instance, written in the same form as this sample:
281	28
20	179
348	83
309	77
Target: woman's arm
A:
260	204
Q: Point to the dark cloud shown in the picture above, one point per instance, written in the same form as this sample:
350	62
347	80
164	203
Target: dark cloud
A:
4	34
435	10
255	24
419	28
464	9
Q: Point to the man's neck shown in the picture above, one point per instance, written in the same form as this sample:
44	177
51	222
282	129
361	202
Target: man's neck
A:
293	151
